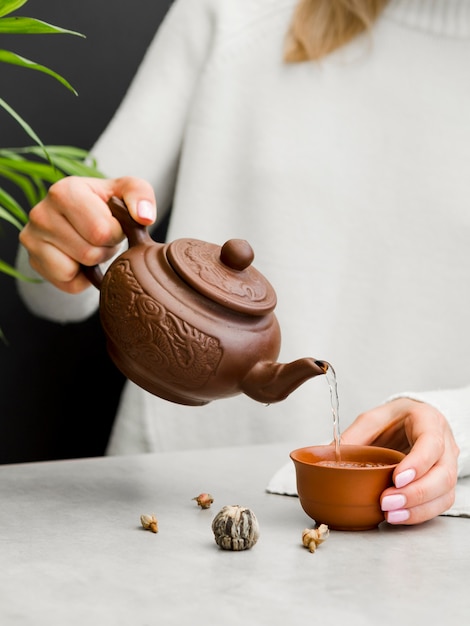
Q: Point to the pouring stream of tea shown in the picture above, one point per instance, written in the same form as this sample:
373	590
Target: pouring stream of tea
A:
333	385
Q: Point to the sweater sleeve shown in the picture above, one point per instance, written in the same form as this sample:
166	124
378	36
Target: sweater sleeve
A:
143	138
454	404
48	302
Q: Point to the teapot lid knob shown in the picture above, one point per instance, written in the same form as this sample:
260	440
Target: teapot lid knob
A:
237	254
223	274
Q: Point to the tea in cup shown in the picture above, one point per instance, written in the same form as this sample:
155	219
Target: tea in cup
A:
344	492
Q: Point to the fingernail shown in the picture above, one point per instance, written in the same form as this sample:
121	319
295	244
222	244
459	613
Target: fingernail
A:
145	210
391	503
396	517
404	478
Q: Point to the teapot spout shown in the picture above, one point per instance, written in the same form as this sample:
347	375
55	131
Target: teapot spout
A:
270	382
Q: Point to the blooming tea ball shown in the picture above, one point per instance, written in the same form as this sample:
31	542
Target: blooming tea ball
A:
235	528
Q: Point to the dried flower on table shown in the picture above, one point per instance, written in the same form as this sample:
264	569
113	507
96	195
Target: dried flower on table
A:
313	537
149	522
204	500
235	528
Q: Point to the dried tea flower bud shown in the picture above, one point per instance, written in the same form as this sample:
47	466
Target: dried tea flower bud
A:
313	537
235	528
204	500
149	522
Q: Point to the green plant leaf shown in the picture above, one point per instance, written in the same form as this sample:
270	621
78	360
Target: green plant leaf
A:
67	151
71	167
2	337
25	126
69	159
8	6
16	165
25	168
24	183
8	217
31	26
6	268
9	205
45	171
15	59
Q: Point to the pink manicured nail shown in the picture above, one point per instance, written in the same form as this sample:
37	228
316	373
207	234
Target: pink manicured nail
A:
404	478
396	517
391	503
145	210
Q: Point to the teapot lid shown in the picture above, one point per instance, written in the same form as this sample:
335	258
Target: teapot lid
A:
223	274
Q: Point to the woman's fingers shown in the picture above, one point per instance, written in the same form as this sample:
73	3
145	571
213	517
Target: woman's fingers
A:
425	479
73	226
420	500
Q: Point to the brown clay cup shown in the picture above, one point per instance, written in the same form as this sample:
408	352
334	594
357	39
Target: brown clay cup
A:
345	496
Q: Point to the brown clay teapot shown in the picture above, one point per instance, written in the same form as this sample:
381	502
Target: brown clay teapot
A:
192	322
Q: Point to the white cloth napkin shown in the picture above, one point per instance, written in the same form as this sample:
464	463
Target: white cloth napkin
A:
283	483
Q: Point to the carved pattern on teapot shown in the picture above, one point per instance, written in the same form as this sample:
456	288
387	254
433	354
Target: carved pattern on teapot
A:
201	261
147	331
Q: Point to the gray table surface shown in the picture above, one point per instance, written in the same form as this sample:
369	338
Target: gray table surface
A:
73	551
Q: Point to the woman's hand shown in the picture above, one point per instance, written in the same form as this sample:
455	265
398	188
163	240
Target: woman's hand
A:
425	479
73	225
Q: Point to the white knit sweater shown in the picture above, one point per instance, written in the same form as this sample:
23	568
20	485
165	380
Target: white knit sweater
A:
351	180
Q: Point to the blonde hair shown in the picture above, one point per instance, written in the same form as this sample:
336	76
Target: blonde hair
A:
321	26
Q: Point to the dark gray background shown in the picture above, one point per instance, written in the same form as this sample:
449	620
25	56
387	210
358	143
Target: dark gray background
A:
58	388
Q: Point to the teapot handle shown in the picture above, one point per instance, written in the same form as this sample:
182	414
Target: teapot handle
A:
136	233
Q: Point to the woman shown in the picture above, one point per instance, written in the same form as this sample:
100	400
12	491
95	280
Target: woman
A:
335	137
